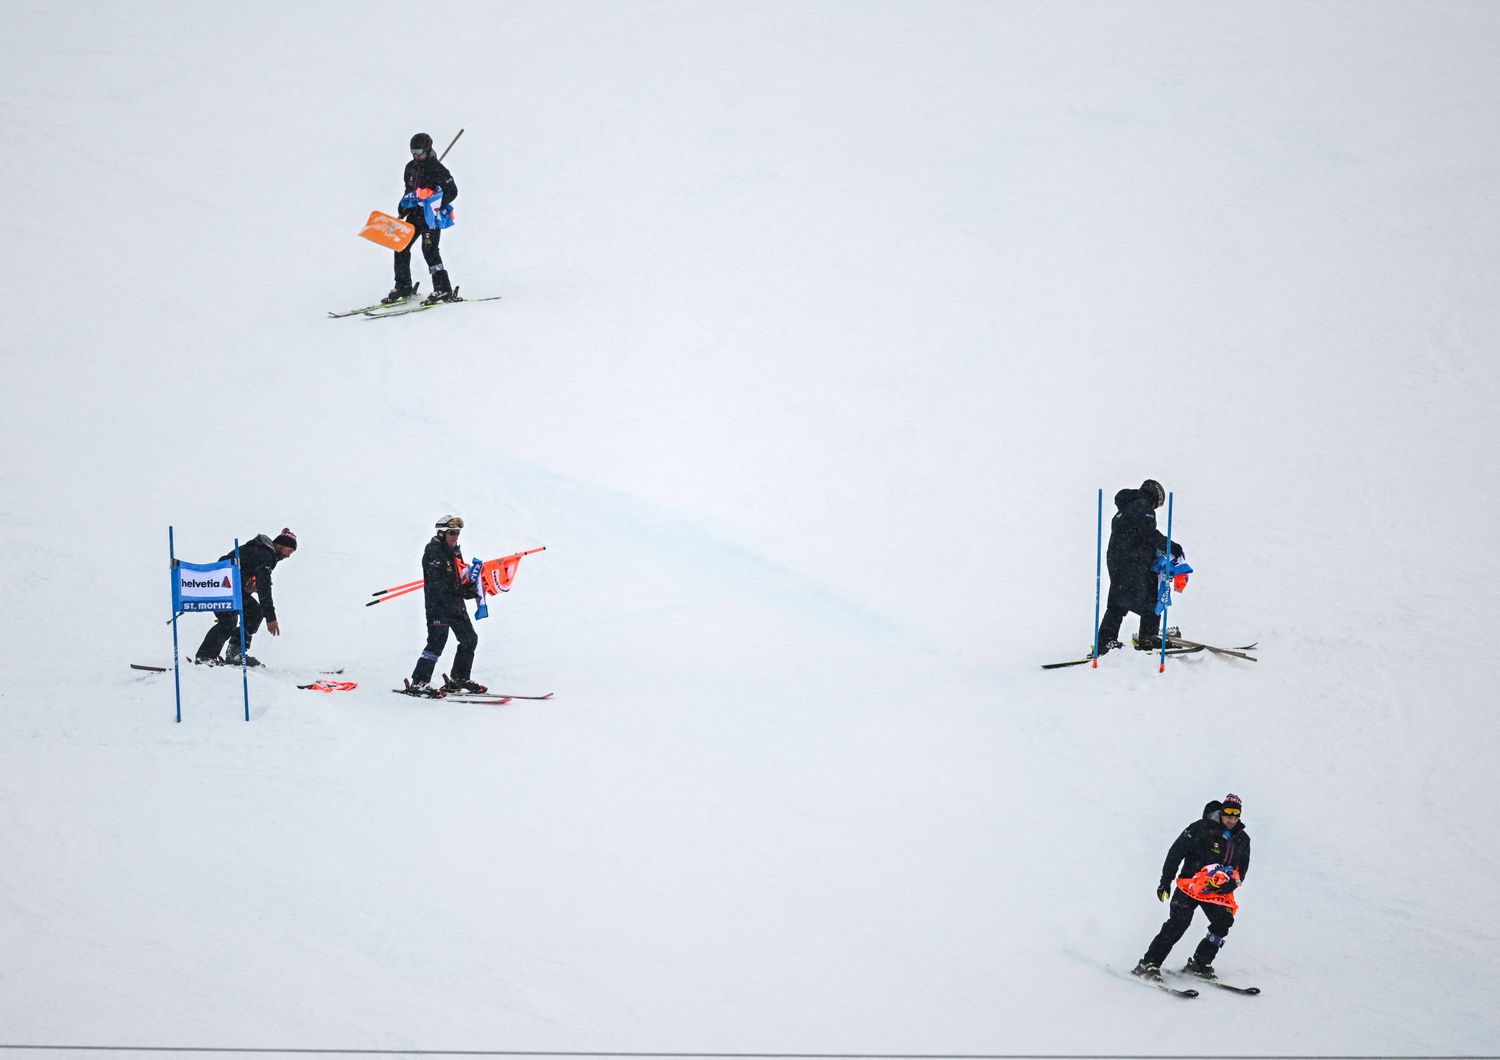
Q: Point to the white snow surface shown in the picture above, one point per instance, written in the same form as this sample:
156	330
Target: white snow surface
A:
821	325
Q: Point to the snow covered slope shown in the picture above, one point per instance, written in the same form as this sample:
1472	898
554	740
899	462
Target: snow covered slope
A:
821	325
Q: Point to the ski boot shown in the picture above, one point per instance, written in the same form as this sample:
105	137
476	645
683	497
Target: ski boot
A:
1153	643
464	687
422	690
398	295
1147	971
232	658
442	293
1199	969
1106	647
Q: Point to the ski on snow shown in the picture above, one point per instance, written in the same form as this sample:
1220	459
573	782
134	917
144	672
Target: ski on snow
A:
1239	651
447	697
438	696
403	309
1158	982
504	695
1089	658
1250	991
378	305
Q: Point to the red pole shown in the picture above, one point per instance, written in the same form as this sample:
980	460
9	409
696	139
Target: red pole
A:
391	594
397	588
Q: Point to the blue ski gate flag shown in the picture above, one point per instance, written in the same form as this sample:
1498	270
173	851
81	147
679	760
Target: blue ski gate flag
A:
206	587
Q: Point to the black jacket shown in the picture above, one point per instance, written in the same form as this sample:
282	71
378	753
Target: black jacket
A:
257	559
427	173
1207	842
1134	543
444	589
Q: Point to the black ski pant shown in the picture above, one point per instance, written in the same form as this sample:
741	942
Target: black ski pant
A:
430	238
1132	596
437	639
1109	625
226	630
1179	915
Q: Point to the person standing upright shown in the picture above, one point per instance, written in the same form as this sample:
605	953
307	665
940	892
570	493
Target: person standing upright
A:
445	588
424	179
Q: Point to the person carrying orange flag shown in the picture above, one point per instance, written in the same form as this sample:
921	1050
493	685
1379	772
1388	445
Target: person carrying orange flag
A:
1209	860
445	588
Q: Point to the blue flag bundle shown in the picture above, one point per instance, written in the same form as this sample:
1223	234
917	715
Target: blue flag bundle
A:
1168	572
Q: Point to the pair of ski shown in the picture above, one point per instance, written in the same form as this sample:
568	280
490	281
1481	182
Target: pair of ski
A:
1163	985
491	700
1090	658
381	310
1175	646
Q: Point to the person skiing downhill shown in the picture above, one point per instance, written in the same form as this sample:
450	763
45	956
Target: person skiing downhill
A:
1134	543
1213	855
445	587
424	176
258	558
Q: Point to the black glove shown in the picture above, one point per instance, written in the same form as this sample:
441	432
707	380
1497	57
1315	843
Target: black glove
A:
1163	891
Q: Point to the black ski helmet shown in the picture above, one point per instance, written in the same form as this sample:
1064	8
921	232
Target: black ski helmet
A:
421	142
1152	489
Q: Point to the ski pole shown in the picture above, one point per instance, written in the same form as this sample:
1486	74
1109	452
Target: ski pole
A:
244	661
1098	549
397	588
176	669
391	594
450	146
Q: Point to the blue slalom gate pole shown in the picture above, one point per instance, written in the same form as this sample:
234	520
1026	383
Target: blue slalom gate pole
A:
1161	633
176	670
244	666
1098	552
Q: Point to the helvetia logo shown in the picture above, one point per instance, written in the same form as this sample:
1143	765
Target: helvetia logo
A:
209	583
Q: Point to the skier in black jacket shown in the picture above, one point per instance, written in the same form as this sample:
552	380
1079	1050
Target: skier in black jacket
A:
444	590
1216	840
258	558
1134	543
424	173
